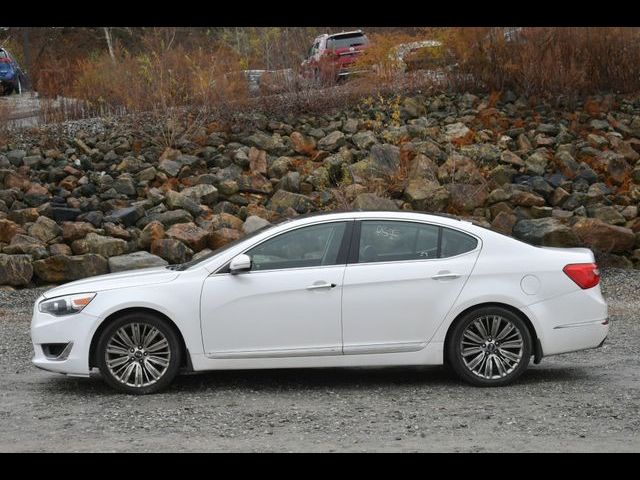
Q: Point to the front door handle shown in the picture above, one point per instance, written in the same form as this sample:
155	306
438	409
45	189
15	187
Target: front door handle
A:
318	286
445	276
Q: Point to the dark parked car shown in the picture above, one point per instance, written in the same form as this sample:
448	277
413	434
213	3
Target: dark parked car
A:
12	78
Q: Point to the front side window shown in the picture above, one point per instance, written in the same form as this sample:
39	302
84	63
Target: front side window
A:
313	246
393	241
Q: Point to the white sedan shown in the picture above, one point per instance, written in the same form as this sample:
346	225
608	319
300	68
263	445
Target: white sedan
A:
339	289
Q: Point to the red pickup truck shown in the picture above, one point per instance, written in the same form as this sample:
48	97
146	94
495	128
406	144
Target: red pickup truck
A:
333	57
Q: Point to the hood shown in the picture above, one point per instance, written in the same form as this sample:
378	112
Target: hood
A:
111	281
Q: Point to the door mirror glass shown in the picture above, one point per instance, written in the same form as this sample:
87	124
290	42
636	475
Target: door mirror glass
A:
241	263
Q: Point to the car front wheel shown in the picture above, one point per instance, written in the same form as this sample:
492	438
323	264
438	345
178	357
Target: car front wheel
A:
489	347
139	354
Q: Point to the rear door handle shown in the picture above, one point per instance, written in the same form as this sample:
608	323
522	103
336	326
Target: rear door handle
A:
445	276
318	286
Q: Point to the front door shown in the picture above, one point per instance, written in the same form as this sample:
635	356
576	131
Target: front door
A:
288	304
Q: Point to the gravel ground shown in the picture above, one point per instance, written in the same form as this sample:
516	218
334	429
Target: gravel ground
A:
585	401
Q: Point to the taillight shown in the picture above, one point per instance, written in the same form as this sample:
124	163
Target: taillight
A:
586	275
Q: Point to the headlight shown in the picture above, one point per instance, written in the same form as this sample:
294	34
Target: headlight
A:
66	305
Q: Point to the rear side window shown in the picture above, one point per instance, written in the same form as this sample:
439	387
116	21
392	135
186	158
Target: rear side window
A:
455	243
393	241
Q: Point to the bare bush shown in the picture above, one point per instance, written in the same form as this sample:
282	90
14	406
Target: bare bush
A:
549	60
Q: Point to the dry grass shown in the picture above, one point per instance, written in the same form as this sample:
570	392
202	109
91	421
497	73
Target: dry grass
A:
167	78
549	60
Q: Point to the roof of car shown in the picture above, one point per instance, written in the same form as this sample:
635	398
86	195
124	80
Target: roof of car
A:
352	32
391	214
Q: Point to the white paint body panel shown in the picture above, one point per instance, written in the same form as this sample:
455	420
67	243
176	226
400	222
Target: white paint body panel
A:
262	313
378	314
398	305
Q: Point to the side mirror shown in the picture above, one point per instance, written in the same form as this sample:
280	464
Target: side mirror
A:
240	263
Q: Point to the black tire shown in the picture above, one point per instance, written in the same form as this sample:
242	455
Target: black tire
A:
491	352
149	321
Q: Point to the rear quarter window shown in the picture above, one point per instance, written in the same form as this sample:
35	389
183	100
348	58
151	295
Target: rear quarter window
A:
456	243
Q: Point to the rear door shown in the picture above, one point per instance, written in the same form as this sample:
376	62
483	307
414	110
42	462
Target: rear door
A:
402	279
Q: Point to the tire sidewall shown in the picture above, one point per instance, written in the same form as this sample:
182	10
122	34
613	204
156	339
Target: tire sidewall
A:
454	355
169	333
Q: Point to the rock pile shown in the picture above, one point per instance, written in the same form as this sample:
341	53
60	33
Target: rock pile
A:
99	200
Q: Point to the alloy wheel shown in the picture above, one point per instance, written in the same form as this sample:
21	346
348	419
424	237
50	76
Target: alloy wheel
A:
492	347
138	354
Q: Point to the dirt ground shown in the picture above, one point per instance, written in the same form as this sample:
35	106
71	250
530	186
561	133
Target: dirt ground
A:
585	401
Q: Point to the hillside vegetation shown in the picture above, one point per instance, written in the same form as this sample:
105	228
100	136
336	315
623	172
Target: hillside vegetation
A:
88	197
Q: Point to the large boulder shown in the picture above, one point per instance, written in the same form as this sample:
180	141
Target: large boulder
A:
172	250
177	201
8	230
105	246
15	270
190	234
459	169
504	222
549	232
426	195
282	200
76	230
458	132
385	157
152	231
202	194
465	198
253	223
62	268
45	230
364	140
222	236
536	164
270	143
134	261
303	144
128	216
332	142
24	244
371	201
383	161
603	237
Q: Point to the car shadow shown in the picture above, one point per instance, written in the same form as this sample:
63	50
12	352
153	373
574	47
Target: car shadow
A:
344	379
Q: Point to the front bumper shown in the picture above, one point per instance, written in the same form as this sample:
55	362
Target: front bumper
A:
74	331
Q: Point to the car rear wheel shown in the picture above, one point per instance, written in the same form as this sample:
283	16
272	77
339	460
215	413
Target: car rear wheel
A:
139	354
489	347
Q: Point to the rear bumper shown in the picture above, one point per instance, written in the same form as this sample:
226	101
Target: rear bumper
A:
568	323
